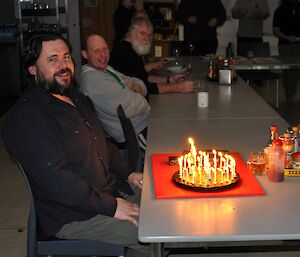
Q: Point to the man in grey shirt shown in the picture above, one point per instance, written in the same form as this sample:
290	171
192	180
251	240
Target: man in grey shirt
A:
108	88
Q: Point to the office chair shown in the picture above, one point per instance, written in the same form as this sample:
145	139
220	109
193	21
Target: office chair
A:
133	151
63	247
259	49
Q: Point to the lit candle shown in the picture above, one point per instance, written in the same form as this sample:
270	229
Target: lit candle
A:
180	159
221	158
193	174
189	161
200	153
232	165
199	170
226	168
215	165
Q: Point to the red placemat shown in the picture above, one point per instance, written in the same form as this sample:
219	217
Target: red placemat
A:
165	188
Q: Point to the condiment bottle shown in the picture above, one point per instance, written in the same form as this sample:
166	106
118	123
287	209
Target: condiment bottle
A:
276	161
296	160
288	147
210	70
296	138
273	130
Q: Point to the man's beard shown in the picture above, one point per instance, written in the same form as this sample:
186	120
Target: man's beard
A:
141	48
53	86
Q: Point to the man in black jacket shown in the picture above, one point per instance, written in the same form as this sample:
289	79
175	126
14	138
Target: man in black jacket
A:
73	170
200	20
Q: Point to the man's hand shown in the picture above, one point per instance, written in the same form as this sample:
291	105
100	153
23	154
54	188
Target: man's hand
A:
155	65
136	179
186	86
128	81
192	19
134	87
292	39
127	211
212	22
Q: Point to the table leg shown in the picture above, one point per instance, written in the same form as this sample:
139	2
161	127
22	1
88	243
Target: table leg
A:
157	250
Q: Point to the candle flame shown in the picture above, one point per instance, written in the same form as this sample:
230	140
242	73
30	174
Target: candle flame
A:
191	141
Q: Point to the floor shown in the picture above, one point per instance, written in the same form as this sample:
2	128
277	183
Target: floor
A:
14	203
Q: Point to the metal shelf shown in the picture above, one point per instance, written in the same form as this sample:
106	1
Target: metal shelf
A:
42	12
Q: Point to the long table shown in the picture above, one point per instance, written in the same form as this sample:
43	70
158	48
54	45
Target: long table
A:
238	120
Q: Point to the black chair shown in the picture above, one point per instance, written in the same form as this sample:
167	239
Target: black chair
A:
49	247
259	49
133	152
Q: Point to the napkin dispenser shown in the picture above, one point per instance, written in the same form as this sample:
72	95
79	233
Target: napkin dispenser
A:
225	77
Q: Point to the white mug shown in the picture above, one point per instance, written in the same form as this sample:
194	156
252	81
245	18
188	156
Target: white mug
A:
202	99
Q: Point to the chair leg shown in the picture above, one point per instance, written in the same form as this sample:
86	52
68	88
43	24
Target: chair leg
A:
277	93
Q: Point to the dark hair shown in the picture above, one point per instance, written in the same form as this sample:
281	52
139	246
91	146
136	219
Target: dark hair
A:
33	47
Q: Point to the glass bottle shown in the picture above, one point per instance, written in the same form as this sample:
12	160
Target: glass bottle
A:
210	70
273	131
296	138
288	147
276	161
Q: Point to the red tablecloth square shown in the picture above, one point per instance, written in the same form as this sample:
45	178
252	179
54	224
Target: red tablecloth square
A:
165	188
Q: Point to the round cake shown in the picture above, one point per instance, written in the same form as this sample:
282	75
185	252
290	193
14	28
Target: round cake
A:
206	170
204	186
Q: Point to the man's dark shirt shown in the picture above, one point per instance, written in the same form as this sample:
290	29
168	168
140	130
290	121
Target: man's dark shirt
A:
288	20
126	60
204	11
122	18
66	156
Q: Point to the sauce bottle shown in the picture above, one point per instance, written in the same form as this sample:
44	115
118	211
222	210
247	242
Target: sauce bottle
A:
276	161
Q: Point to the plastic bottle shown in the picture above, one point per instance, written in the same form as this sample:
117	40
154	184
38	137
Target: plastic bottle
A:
288	147
296	138
276	161
210	70
273	131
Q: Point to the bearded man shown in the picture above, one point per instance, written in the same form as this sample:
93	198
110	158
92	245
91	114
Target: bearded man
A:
127	58
72	169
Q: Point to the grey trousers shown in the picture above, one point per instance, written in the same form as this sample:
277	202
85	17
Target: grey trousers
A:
108	229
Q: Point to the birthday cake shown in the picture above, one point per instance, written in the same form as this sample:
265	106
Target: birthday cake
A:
206	170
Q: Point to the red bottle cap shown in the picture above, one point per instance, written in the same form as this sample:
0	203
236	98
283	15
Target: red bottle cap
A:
296	155
273	128
277	142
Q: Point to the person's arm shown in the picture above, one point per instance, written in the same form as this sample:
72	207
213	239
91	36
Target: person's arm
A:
220	14
278	18
186	86
107	98
279	34
154	65
237	11
183	12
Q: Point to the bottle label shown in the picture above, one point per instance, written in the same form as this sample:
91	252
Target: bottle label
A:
158	51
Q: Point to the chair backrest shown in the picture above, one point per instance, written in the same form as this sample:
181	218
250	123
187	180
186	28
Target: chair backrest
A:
62	247
258	49
133	150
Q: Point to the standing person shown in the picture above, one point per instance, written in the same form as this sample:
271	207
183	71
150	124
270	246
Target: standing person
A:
107	88
251	15
200	20
286	27
122	17
72	168
127	58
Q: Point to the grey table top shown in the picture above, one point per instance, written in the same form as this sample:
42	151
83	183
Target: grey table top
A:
235	101
273	216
